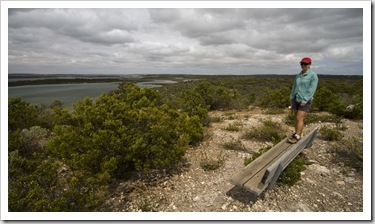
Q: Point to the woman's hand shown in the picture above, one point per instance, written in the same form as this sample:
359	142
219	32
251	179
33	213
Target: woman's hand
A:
302	104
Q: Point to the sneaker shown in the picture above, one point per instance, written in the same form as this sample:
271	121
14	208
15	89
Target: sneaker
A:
294	138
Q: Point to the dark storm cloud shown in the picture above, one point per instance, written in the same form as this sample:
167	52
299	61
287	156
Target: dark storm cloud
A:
184	40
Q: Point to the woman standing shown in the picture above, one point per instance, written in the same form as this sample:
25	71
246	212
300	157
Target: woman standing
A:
301	97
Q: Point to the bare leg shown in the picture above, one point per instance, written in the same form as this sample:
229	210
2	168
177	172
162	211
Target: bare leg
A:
300	115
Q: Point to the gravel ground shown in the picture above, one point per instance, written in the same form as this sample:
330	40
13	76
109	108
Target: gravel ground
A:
325	186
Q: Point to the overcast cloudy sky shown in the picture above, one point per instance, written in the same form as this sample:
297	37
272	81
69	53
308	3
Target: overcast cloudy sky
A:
188	41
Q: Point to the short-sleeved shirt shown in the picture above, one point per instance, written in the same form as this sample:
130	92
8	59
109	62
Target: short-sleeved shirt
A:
304	87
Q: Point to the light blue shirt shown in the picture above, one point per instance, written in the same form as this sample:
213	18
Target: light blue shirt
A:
304	87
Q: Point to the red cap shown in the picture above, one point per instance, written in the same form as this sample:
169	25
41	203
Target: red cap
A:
306	60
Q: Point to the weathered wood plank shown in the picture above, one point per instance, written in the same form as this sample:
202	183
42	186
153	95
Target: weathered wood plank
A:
263	172
288	156
255	183
309	144
257	165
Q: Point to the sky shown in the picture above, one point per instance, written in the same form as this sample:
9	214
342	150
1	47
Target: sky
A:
184	40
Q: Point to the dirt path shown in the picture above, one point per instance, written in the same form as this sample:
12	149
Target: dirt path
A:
326	186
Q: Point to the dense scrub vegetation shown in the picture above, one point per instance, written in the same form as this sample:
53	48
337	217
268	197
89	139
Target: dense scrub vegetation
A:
61	160
334	93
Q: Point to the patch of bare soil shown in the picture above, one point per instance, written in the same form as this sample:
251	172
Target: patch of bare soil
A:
325	186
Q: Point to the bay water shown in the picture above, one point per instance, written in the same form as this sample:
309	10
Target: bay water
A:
69	94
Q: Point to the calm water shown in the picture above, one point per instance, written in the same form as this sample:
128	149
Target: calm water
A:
69	94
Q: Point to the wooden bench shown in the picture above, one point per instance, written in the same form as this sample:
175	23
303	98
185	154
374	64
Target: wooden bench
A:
263	172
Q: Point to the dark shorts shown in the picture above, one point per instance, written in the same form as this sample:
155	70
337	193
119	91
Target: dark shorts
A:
297	106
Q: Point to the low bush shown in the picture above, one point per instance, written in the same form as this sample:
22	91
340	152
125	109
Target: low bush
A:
235	145
311	118
21	114
350	152
128	130
208	97
269	131
327	100
231	116
330	134
276	98
209	163
324	98
292	173
275	111
215	119
234	127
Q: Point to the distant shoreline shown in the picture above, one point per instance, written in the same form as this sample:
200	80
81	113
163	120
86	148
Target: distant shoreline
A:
47	79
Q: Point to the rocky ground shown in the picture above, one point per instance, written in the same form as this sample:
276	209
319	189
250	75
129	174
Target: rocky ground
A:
326	185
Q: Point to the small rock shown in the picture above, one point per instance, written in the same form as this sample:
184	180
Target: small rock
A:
350	179
196	198
308	180
340	182
301	208
338	195
322	170
224	206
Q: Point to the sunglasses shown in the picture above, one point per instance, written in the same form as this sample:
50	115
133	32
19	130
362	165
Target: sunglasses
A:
304	64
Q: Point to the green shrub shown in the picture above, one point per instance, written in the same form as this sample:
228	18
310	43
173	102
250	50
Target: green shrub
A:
337	107
330	134
350	152
32	185
21	114
355	112
311	118
324	98
235	127
195	105
234	145
269	131
192	127
215	119
231	116
130	127
208	163
216	97
128	130
32	140
292	173
275	110
277	98
205	97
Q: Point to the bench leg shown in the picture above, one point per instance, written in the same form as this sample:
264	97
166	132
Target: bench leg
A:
275	177
309	144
